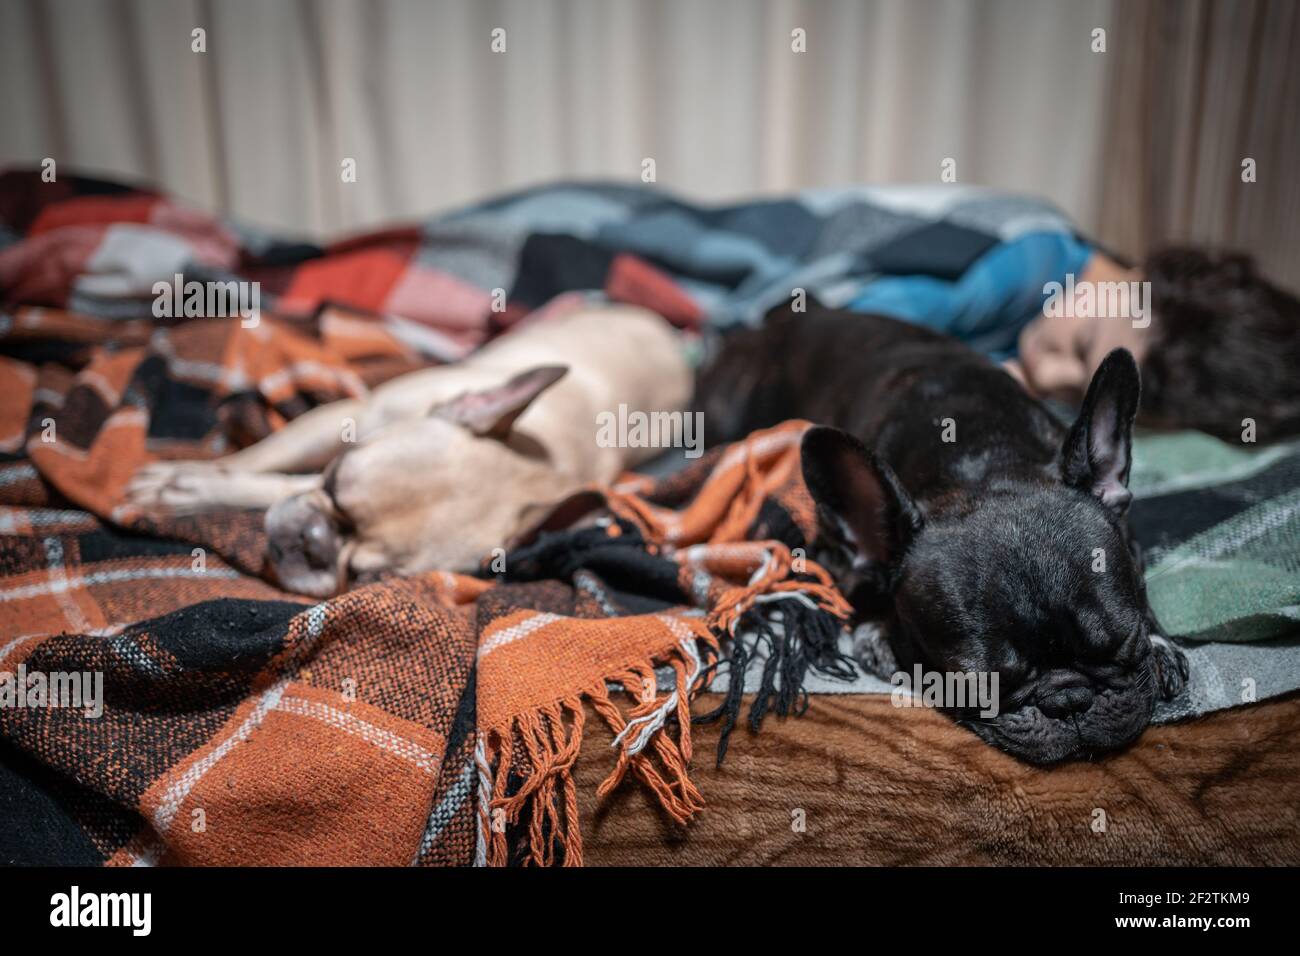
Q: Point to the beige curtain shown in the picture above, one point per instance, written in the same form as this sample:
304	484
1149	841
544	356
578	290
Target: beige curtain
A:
258	126
1200	87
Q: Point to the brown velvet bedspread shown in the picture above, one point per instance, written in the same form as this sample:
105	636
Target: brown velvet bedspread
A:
883	785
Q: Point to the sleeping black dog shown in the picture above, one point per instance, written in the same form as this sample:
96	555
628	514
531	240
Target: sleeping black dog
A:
986	536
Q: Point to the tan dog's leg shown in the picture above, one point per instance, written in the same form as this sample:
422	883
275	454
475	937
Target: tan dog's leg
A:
187	488
252	477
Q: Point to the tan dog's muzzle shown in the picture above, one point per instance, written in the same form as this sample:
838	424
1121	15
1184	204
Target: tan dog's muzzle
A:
306	545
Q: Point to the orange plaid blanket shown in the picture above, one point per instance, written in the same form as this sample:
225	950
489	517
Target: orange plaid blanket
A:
160	702
430	720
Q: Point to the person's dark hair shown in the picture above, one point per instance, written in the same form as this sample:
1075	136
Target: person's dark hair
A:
1227	347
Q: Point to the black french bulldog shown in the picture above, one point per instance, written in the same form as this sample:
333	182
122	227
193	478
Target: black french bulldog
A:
979	553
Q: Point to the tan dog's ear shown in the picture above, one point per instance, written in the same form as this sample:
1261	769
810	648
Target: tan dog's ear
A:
492	411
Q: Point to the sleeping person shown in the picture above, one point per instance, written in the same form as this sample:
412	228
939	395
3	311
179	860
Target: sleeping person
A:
1218	345
1222	352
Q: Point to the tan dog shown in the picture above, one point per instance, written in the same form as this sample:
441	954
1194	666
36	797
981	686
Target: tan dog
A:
448	463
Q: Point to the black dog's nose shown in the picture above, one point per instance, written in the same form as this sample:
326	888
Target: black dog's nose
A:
1066	701
320	543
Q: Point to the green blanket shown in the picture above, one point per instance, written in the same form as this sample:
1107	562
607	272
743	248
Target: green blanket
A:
1221	528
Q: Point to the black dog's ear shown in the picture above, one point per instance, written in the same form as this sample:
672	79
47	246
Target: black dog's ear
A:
874	514
1099	449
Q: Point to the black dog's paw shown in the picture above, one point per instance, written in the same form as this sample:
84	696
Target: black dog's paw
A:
1170	665
872	651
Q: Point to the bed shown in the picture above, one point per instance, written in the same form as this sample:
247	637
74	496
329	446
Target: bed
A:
881	785
360	730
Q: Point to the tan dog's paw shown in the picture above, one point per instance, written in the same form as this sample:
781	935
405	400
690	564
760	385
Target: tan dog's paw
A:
177	487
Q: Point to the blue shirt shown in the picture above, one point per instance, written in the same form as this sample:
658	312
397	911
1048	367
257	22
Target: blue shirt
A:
998	295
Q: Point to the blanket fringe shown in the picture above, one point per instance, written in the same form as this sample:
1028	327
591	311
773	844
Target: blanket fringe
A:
527	765
810	611
546	794
532	790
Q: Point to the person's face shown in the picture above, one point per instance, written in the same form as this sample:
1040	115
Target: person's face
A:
1060	353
